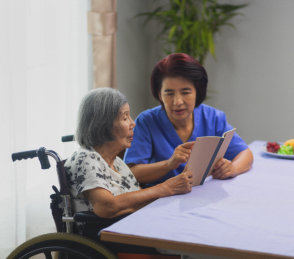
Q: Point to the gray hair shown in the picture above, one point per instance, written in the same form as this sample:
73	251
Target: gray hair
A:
97	112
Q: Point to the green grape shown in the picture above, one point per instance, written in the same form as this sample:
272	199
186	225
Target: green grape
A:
286	150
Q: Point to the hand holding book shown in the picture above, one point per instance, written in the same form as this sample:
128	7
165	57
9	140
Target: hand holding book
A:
206	151
223	169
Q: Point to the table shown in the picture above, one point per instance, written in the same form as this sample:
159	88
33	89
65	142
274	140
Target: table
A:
249	216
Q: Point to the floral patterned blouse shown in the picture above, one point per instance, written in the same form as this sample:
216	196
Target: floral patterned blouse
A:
86	170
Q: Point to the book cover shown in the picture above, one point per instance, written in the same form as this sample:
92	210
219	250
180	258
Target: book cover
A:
205	153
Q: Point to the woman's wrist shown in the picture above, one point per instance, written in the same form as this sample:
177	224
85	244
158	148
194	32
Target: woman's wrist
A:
169	165
163	189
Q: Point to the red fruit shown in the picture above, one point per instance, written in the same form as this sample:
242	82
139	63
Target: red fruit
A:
272	147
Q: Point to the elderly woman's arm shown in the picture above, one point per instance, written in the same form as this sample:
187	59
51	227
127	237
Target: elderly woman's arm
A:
240	164
148	173
107	205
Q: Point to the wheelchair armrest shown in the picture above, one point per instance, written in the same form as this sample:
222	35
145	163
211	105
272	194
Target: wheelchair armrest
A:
86	216
93	224
91	217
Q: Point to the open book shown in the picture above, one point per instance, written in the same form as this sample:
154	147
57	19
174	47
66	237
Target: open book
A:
205	153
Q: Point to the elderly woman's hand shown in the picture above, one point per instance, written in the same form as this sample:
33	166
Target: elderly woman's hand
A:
179	184
180	155
223	169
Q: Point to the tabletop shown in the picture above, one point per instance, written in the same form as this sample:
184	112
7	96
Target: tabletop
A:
249	216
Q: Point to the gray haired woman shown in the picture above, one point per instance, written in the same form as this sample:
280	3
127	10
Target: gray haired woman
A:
99	180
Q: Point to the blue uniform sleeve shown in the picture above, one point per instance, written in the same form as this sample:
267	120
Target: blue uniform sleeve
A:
140	151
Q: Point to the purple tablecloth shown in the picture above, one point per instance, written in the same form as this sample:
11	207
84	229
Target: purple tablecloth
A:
254	211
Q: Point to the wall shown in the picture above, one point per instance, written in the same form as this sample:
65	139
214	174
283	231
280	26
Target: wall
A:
132	43
137	52
251	78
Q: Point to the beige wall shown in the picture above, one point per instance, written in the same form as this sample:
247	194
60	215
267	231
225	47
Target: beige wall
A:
253	75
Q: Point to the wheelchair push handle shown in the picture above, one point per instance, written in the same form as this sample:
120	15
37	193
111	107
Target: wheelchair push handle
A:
67	138
42	153
24	155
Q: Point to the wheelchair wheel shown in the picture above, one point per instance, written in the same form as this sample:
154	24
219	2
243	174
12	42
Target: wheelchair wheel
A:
61	246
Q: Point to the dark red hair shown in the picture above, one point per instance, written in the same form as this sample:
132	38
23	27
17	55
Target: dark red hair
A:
180	65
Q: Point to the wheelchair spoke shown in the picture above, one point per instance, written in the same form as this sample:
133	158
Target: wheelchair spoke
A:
48	255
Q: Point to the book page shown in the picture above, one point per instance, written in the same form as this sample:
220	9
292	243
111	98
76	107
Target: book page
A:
200	157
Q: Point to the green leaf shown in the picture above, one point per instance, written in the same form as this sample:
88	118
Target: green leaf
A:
172	32
211	44
178	2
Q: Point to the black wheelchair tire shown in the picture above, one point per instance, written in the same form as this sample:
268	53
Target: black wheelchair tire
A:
77	246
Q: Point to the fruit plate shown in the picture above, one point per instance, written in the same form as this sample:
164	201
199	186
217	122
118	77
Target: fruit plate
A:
276	154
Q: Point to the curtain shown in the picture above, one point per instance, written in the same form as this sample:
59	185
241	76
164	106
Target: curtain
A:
102	28
43	76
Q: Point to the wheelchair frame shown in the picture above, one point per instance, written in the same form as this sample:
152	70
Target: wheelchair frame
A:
65	243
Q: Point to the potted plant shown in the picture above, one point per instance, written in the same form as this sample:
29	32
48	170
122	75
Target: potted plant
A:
189	26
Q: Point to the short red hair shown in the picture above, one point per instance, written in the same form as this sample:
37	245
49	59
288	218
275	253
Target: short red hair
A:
180	65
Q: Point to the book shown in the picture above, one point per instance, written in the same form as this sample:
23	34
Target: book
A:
205	153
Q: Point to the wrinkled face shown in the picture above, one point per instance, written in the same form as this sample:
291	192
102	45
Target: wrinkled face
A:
179	98
123	127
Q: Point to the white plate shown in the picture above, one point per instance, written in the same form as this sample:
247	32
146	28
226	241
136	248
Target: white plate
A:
276	154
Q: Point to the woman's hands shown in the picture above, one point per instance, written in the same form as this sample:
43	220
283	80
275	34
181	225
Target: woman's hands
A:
179	184
149	173
223	169
180	155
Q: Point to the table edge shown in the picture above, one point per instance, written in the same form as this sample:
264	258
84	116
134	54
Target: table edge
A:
186	247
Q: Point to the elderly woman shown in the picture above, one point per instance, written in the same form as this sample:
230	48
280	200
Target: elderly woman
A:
163	135
99	180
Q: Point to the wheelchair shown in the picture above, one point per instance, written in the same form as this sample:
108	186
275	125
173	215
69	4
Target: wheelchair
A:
69	242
